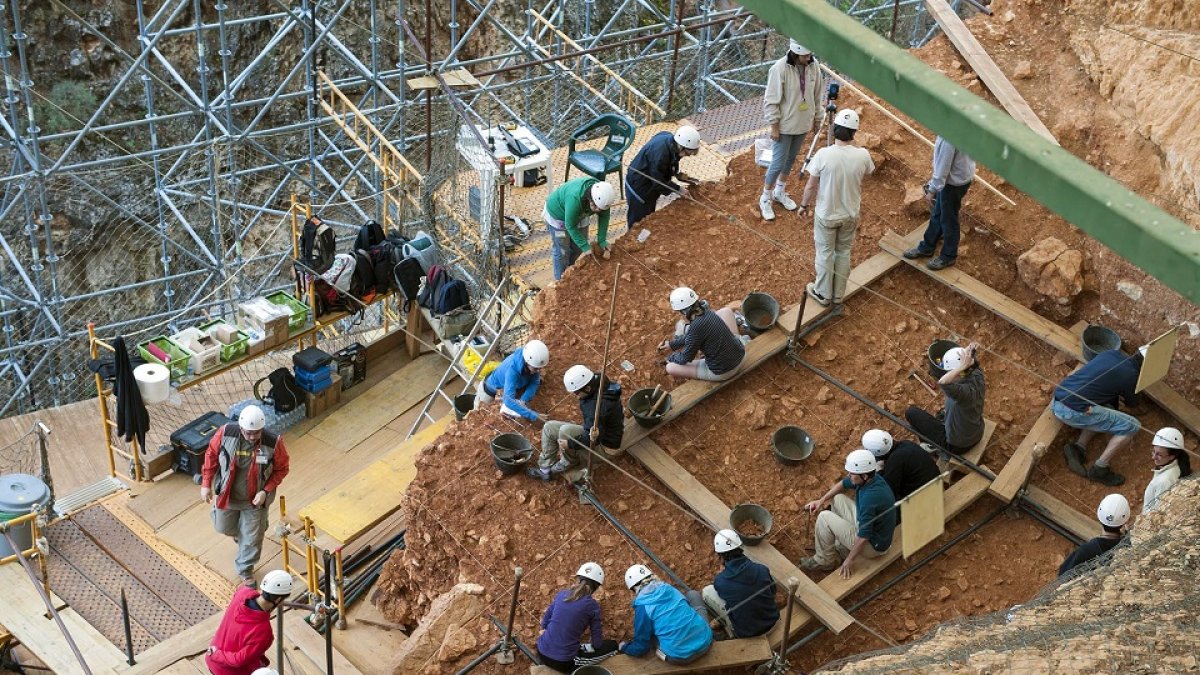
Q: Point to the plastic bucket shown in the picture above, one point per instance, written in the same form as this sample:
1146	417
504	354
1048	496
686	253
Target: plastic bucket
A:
19	494
1097	339
639	407
752	523
591	670
463	404
936	351
510	452
791	445
761	311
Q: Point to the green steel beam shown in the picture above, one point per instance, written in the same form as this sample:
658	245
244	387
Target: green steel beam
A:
1132	227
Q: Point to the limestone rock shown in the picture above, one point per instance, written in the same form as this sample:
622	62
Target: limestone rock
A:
458	641
448	612
1052	269
1023	71
915	204
759	410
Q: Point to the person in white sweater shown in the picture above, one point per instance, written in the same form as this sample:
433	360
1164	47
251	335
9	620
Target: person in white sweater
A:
792	106
1171	462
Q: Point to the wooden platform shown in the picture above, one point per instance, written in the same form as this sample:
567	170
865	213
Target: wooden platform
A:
726	654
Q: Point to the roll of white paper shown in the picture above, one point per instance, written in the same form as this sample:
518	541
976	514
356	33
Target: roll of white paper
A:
154	381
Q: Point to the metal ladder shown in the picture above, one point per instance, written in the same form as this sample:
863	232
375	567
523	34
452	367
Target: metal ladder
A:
508	315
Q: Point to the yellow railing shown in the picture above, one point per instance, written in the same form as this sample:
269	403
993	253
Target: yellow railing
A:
36	521
313	556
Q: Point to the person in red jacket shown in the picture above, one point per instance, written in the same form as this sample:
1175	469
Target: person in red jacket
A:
244	636
243	468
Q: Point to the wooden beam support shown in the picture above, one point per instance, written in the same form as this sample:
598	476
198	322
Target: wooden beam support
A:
1078	523
1016	470
723	655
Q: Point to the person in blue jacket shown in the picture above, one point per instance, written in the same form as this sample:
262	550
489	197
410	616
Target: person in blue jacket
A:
662	614
518	376
653	171
573	611
743	595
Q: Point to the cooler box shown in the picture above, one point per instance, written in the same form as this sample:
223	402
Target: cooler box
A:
191	440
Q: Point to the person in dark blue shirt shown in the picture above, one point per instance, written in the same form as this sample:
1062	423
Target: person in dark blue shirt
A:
1087	400
1113	513
863	526
743	595
653	171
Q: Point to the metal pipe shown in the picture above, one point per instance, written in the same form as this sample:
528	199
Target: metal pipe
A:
516	640
329	606
1034	509
591	498
128	630
279	634
505	646
475	662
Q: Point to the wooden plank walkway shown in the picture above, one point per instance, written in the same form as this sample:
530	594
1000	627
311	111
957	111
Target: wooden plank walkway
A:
1016	470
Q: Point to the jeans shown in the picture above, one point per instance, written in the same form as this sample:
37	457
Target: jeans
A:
931	429
833	240
247	527
783	156
943	221
563	251
1099	419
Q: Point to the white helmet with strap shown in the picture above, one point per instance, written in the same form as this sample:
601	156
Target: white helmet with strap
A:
878	441
860	462
846	117
682	298
603	195
277	582
687	136
1113	510
726	541
252	418
536	354
577	377
636	574
1169	437
592	571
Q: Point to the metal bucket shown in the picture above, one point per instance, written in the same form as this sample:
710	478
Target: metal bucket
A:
591	670
761	311
742	514
791	445
936	351
1097	339
511	452
639	407
463	404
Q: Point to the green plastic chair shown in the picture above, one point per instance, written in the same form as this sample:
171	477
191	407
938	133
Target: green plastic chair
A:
600	163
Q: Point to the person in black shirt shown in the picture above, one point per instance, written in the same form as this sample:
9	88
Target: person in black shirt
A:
906	466
1112	513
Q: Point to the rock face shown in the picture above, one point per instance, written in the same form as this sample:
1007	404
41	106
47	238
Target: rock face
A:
1053	270
440	638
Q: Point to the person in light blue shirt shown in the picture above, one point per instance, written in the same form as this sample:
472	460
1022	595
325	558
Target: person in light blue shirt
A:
518	377
953	173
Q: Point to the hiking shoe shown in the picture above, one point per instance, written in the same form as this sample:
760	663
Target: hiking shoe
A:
916	253
811	564
928	447
764	207
940	263
1076	457
560	466
538	473
812	293
1105	475
249	582
785	200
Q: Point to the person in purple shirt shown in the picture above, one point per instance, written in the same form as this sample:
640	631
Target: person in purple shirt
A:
573	611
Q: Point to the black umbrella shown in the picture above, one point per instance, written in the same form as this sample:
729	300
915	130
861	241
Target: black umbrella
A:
132	418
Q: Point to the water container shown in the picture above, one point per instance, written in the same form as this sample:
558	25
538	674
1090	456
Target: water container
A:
19	494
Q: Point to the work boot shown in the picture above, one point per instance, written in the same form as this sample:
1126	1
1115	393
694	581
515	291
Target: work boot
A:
917	252
764	206
811	564
1105	475
785	200
812	293
940	263
249	582
560	466
538	473
1076	457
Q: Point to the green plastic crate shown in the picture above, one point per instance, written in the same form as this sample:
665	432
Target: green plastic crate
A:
179	356
233	350
299	309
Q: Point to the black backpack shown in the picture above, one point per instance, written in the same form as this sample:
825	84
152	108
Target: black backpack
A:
317	245
406	277
285	394
369	234
450	296
383	261
363	281
436	276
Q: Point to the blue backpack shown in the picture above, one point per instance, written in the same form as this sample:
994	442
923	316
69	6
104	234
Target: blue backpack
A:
450	296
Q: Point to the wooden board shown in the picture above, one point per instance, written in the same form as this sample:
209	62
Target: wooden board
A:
1016	470
985	67
725	654
312	644
194	640
1080	524
923	511
716	513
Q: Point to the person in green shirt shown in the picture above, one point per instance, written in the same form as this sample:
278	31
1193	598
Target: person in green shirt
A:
567	210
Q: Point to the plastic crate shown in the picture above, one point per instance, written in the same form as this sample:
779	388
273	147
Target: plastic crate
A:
234	349
203	359
179	356
299	309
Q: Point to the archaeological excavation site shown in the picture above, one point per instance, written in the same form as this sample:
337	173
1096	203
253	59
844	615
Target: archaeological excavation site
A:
600	337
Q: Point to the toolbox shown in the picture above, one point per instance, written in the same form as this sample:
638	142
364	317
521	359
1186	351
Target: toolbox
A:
352	364
191	440
314	381
311	359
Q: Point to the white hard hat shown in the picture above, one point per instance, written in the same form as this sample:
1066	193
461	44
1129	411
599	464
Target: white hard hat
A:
577	377
603	195
726	540
264	671
861	461
798	49
252	418
1113	510
1169	437
878	441
688	137
682	298
276	582
537	355
953	358
591	570
846	118
635	575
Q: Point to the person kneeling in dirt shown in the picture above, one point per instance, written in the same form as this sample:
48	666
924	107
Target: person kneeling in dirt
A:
519	377
905	465
743	595
863	526
573	440
964	388
244	636
1112	513
714	334
573	611
661	613
1087	400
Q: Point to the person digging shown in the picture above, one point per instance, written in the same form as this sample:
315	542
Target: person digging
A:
572	612
564	443
567	212
654	170
1112	513
674	625
905	465
851	528
715	334
516	380
742	596
963	386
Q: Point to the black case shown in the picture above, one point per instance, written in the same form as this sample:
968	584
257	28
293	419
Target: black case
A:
311	359
352	365
191	440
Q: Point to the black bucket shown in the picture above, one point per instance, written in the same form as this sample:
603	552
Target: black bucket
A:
791	445
936	351
639	407
742	514
511	452
761	311
1097	339
463	404
591	670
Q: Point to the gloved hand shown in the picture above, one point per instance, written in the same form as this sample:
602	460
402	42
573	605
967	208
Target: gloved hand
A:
621	646
594	248
607	253
205	495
